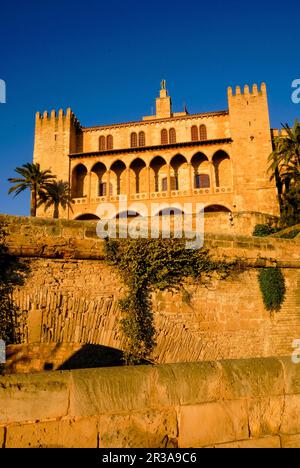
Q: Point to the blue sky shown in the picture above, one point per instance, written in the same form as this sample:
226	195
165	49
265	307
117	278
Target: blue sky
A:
106	59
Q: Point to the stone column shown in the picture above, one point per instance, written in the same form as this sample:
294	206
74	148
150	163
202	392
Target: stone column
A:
191	185
148	181
128	183
108	185
169	180
89	186
212	177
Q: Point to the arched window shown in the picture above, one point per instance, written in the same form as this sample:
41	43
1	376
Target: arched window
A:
202	181
172	135
102	143
109	142
203	132
164	137
133	140
194	133
142	139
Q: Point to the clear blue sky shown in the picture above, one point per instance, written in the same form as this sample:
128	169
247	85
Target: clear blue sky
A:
106	59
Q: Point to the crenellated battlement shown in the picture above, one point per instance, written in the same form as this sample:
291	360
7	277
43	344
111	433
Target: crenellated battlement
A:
246	90
57	116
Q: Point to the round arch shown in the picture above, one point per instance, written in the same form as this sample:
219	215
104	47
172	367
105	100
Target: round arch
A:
198	158
157	160
99	179
202	171
86	217
159	174
170	211
179	172
117	177
118	162
138	176
166	209
79	188
217	209
222	168
127	214
99	166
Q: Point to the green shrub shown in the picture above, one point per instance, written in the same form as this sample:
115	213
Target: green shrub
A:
290	235
272	286
263	230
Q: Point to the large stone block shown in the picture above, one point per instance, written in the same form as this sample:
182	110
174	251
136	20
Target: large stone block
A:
250	378
291	415
212	423
2	435
97	391
265	415
197	382
290	441
33	396
67	433
264	442
291	375
151	429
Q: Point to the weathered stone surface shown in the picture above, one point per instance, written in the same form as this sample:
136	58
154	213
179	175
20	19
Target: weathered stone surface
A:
264	442
67	433
199	382
290	441
30	397
252	378
291	375
291	415
265	415
149	406
77	294
151	429
210	423
2	434
110	390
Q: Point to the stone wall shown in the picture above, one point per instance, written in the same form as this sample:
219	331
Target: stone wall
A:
242	403
70	299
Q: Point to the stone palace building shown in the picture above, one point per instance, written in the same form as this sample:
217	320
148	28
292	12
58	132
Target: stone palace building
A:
215	158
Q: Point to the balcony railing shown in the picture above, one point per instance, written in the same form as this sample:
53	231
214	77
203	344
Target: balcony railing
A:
154	195
81	200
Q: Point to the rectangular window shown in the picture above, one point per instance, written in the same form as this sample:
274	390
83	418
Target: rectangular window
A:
164	184
202	181
102	189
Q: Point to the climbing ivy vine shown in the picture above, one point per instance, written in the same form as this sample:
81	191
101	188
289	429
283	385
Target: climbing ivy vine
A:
146	265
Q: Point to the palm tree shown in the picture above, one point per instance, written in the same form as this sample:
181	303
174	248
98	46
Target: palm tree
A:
56	193
285	168
34	179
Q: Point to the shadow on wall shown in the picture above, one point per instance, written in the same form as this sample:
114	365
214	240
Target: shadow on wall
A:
91	356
